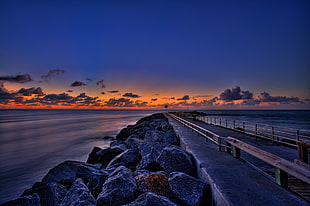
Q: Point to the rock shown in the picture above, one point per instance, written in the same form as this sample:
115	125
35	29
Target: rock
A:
67	172
151	199
33	189
171	137
118	189
124	133
173	159
78	195
147	147
31	200
108	137
154	136
148	161
133	141
189	190
119	144
50	194
152	117
154	182
103	156
129	158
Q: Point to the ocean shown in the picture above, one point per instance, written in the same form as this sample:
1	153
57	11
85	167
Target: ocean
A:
34	141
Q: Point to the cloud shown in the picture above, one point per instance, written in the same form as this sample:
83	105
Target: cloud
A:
235	94
121	102
30	91
6	97
113	91
56	97
185	97
102	92
69	90
101	84
23	78
77	84
131	95
154	100
266	97
52	73
89	79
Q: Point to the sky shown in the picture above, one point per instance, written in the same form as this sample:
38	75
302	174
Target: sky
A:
135	54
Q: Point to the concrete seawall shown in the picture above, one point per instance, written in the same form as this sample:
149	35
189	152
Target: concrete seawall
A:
232	181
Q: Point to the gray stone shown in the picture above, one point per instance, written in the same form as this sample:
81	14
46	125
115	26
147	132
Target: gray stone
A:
119	144
31	200
189	190
151	199
148	161
67	172
129	158
154	136
134	141
103	156
146	147
173	159
171	137
78	195
118	189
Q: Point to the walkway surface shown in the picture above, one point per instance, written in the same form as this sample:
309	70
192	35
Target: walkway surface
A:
233	181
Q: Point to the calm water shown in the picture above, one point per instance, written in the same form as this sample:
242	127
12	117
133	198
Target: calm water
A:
34	141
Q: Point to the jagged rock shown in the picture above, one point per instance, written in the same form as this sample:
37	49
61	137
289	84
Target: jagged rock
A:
173	159
147	147
133	141
67	172
171	137
151	199
154	182
50	194
103	156
154	136
124	133
119	144
148	161
118	189
78	195
31	200
152	117
33	189
189	190
129	158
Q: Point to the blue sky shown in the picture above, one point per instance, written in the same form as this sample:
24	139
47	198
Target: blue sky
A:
158	49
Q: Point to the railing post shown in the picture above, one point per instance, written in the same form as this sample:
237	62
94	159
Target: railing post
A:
302	152
234	124
215	121
297	135
226	123
256	131
281	177
243	126
219	140
236	152
220	122
272	128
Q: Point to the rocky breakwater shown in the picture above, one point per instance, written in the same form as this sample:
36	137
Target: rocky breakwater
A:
143	166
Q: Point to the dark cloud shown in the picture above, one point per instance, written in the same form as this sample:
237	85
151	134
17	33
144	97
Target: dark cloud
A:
6	96
101	84
131	95
235	94
57	97
113	91
52	73
69	90
266	97
77	84
23	78
102	92
185	97
121	102
140	103
89	79
30	91
154	100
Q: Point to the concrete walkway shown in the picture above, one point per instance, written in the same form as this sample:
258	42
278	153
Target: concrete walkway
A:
232	181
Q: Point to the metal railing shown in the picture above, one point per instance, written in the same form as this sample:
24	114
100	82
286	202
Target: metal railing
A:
283	135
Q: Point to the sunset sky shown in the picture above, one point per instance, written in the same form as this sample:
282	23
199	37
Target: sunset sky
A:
135	54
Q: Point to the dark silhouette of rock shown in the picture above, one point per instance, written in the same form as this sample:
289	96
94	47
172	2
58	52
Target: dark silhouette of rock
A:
50	194
103	156
171	137
155	182
146	147
154	136
151	199
189	190
118	189
173	159
152	117
67	172
31	200
78	195
148	161
119	144
129	158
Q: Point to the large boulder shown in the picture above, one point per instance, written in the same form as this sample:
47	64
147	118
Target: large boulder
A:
78	195
189	190
118	189
151	199
173	159
129	158
31	200
171	137
147	147
148	161
154	182
103	156
50	194
67	172
134	141
154	136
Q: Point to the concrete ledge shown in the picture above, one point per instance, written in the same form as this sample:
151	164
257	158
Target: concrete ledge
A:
232	181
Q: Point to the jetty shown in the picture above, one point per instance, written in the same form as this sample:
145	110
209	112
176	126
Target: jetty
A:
247	163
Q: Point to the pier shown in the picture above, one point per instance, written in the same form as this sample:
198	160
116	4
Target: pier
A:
247	163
